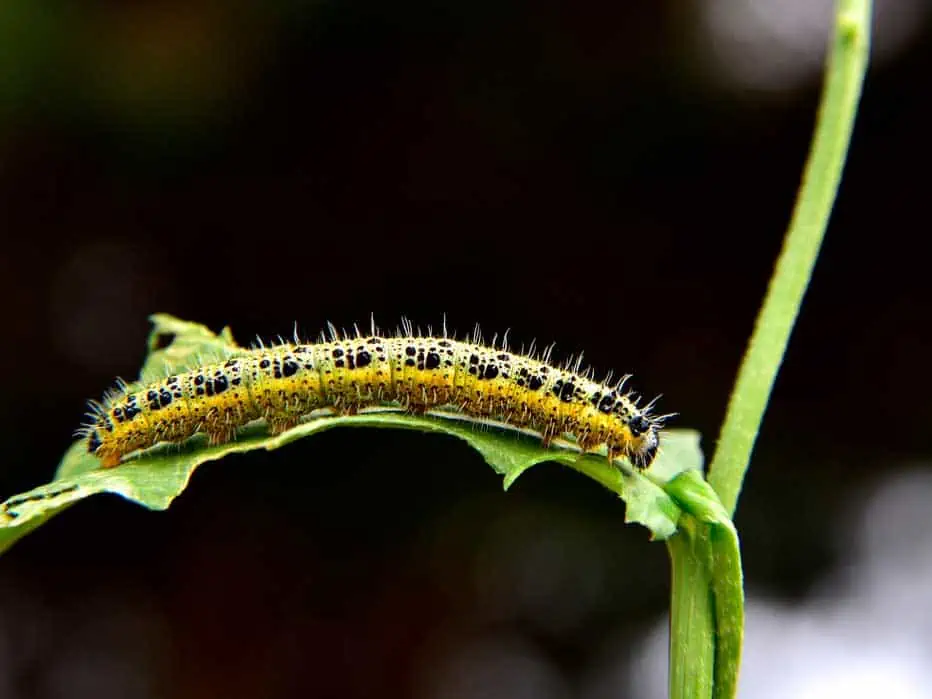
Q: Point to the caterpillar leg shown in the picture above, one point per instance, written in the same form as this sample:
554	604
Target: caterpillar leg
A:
221	436
613	454
109	459
548	434
620	454
278	425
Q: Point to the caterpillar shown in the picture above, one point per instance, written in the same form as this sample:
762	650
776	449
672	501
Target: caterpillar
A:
346	373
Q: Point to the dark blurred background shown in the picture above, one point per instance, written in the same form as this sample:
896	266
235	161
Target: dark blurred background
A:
615	177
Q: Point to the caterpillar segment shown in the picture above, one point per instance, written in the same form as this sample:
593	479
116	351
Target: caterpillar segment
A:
356	373
283	384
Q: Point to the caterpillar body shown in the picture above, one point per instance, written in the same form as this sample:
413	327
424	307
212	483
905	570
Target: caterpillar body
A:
345	374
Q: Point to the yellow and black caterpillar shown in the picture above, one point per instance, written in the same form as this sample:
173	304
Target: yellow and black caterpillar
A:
282	384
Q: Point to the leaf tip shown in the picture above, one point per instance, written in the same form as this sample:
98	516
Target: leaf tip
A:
509	479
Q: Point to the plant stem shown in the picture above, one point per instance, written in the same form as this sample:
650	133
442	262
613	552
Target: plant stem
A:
692	613
847	62
706	608
707	600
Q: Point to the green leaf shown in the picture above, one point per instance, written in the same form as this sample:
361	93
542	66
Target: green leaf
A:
696	496
159	475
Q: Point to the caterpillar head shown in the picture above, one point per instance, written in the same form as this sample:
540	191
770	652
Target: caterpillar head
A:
646	441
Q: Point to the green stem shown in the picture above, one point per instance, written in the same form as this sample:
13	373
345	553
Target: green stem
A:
706	609
708	594
692	612
847	62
